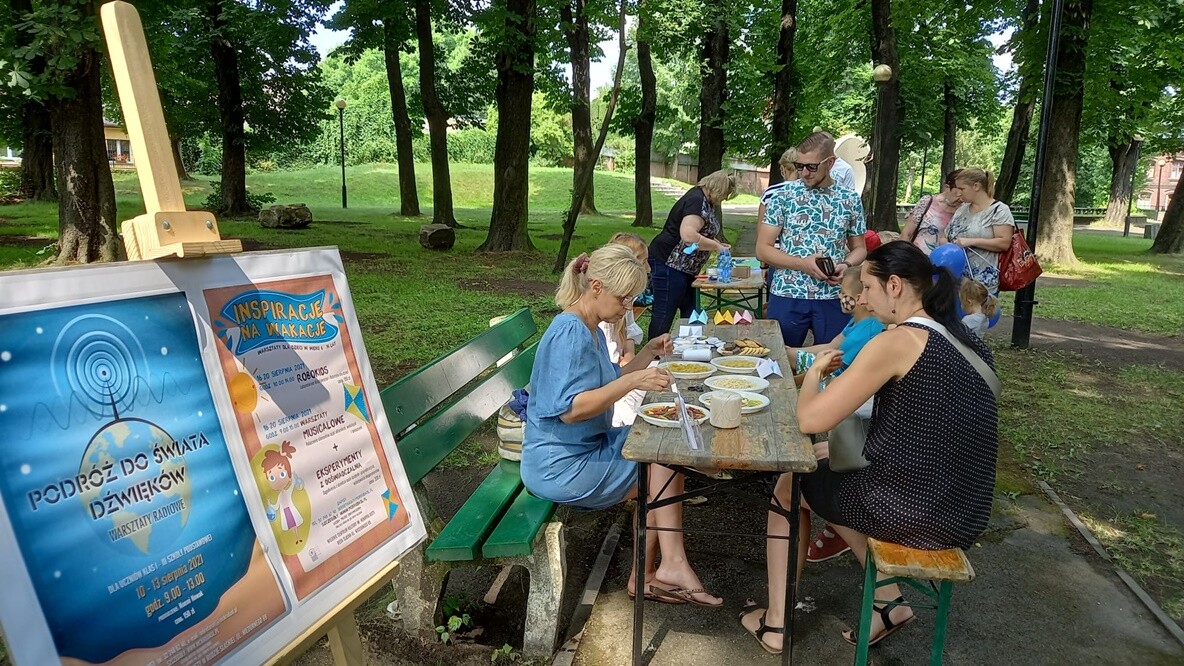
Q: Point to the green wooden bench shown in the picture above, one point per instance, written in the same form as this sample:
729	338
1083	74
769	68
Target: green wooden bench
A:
432	411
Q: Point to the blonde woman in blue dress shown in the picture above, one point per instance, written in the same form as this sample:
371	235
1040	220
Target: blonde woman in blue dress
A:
571	453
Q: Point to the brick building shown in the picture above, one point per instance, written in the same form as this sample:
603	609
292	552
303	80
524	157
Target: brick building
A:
1163	173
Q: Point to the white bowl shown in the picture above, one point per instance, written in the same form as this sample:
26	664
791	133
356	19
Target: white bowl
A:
725	383
745	395
705	369
669	423
741	365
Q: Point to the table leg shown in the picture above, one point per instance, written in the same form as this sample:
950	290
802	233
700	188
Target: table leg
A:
643	470
791	578
698	299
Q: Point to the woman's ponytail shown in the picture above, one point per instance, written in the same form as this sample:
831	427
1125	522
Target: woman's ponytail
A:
573	283
940	300
937	286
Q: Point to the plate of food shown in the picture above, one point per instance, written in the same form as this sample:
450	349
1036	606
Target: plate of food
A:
736	364
744	347
750	402
688	369
736	383
665	414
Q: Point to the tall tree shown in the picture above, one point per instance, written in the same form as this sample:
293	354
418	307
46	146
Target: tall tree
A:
437	117
37	174
1170	239
784	96
714	90
889	116
233	193
1054	243
574	14
643	125
1029	54
514	61
1124	158
950	131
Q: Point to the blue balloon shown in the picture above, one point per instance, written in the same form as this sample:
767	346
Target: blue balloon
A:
995	320
950	256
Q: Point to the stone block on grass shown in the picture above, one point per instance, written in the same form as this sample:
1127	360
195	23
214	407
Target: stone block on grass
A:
285	216
437	236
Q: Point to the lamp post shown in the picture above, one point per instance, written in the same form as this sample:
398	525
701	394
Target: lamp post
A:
1136	145
881	74
340	104
1159	164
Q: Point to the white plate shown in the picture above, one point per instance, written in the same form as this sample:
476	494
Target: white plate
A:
707	370
752	384
748	361
663	423
706	400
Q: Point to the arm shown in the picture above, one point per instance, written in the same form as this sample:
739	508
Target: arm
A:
597	401
688	231
912	221
766	234
857	252
817	349
997	243
887	356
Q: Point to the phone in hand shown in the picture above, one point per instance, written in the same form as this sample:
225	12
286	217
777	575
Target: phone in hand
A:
826	265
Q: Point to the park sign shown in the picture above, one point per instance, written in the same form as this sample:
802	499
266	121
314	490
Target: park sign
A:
196	465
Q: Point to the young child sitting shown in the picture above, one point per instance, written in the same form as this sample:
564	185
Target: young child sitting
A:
862	327
624	336
979	306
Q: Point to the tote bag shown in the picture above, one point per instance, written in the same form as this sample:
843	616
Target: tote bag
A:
1018	267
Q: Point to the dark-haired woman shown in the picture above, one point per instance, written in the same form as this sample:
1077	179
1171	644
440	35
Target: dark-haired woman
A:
931	447
927	221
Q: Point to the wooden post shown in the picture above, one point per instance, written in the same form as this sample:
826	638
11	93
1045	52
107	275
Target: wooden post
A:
167	229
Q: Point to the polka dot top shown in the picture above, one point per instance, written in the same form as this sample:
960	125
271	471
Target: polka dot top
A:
932	449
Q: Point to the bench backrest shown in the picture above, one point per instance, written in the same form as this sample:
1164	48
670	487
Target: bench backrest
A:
442	389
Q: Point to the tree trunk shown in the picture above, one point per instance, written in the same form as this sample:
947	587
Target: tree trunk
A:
1021	117
784	98
182	173
511	153
1124	158
437	117
950	144
1170	239
643	127
575	26
230	111
713	68
37	178
1054	238
408	194
86	202
889	117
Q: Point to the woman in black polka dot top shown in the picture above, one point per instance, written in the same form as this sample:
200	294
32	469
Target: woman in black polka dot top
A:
933	442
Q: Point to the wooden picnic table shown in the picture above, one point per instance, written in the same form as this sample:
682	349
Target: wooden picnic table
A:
765	445
745	286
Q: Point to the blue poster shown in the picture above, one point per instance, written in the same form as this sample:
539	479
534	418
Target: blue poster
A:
116	476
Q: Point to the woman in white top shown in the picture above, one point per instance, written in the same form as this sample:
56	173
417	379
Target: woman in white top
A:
981	225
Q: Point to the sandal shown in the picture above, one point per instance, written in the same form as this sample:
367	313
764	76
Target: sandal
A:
763	629
889	627
652	594
683	595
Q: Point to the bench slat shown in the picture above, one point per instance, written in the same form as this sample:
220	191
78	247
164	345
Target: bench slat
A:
896	560
407	400
515	533
426	445
461	539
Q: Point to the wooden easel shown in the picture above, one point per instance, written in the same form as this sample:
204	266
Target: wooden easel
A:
168	230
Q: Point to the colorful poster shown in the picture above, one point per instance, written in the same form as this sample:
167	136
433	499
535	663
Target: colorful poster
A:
117	483
306	421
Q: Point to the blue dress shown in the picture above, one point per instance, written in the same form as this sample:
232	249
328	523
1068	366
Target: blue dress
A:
573	463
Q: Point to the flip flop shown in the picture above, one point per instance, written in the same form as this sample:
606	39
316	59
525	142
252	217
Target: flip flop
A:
685	595
890	628
652	595
763	629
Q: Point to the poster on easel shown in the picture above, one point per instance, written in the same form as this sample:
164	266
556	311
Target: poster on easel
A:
156	505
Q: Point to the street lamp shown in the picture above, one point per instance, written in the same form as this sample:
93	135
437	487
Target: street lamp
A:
340	104
1159	164
924	164
882	74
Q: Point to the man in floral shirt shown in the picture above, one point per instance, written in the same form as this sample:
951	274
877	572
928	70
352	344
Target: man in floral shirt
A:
813	218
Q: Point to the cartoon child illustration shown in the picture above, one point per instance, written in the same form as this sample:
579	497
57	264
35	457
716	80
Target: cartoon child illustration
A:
277	465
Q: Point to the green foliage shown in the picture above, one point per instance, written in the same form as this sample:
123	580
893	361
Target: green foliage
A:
256	201
504	654
10	182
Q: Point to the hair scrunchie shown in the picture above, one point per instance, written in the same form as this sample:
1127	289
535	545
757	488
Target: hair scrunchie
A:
580	265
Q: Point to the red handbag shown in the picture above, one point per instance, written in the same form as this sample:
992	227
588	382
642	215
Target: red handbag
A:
1018	267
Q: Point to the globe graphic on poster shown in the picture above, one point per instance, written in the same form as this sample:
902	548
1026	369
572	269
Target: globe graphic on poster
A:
138	512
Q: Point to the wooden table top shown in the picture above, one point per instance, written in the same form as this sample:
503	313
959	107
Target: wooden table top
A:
768	440
753	283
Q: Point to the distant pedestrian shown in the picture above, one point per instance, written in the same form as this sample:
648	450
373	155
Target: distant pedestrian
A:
927	221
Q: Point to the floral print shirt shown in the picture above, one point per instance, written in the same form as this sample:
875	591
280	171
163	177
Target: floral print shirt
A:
813	220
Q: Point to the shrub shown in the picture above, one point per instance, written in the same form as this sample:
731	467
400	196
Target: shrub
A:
213	202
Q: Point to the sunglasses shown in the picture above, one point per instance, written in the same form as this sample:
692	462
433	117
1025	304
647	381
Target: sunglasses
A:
812	167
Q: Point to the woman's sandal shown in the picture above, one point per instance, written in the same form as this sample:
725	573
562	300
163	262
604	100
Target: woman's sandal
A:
889	627
678	595
763	629
652	594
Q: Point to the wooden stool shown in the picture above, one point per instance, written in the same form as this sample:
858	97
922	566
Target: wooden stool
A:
910	566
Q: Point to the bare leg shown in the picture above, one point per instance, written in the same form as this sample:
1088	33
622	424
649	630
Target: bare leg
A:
858	543
651	549
777	554
674	569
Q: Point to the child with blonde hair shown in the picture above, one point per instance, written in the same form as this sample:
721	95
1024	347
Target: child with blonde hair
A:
624	336
978	305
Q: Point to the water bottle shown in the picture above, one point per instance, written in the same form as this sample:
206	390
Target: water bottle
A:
724	266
